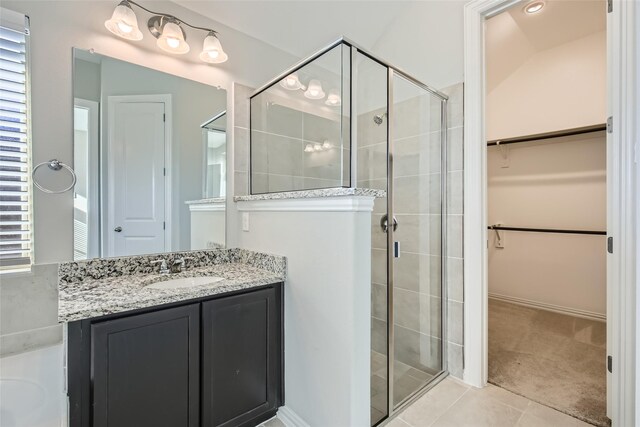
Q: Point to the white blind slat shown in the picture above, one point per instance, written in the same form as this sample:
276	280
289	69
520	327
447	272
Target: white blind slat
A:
15	180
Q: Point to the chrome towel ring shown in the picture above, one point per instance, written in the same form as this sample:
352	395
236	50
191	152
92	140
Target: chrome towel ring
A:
54	165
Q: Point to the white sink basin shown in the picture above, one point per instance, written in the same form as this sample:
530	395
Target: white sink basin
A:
185	282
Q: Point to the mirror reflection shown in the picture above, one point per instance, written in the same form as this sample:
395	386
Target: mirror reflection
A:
150	155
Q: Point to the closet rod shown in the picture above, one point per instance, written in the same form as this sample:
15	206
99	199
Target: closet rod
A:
547	230
549	135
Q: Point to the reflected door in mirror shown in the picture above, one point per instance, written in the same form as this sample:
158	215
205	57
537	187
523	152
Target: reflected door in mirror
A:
136	177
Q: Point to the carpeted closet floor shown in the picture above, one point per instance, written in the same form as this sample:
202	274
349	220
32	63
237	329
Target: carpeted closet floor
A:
550	358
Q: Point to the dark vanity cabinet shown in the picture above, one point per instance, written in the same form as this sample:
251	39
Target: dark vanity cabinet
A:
210	362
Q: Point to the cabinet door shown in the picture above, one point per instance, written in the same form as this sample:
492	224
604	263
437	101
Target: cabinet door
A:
241	358
145	369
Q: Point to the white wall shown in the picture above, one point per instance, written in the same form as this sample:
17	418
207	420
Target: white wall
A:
558	184
57	27
327	307
559	88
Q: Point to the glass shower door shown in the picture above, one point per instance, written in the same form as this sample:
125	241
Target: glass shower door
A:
415	247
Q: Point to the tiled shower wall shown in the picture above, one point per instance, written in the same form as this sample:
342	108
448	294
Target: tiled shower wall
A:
454	255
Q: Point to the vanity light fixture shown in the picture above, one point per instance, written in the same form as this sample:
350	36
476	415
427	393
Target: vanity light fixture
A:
212	50
333	100
314	91
167	29
172	38
123	22
534	7
292	82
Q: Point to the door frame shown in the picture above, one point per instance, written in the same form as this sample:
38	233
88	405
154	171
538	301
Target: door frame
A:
112	101
93	176
621	199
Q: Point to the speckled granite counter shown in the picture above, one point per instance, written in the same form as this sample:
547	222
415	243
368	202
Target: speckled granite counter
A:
310	194
214	200
114	285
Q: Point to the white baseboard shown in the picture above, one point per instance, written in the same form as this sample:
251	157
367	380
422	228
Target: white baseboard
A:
290	418
550	307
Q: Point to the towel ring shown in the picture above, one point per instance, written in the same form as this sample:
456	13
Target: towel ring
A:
54	165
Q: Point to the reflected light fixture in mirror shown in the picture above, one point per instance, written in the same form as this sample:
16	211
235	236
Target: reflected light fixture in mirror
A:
292	82
123	22
314	91
333	100
167	29
212	51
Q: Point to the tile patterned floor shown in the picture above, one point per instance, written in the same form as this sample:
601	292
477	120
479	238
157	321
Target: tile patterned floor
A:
453	403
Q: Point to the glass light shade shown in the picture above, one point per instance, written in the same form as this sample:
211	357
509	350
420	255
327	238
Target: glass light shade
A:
317	147
172	39
314	91
212	51
327	145
308	148
291	82
123	23
333	100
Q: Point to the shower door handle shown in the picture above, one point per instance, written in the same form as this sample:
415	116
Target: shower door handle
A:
384	223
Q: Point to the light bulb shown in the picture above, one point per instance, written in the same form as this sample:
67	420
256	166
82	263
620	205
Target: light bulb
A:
173	42
124	27
213	54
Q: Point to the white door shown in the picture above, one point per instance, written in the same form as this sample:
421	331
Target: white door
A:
136	223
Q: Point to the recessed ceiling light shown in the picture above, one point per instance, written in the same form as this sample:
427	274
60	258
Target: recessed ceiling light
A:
534	7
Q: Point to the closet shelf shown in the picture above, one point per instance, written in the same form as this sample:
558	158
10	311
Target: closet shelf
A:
547	230
549	135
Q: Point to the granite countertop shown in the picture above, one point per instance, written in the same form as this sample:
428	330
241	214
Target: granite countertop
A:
310	194
118	285
206	201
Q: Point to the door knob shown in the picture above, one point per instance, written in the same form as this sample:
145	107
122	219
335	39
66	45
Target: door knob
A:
384	223
117	229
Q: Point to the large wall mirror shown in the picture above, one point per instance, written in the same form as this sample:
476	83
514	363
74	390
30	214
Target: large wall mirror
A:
150	156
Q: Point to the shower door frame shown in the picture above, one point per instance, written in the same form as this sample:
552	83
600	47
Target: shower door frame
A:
392	408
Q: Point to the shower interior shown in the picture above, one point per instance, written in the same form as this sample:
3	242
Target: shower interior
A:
374	127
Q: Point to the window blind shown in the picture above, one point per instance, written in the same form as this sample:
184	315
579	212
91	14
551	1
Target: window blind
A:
15	172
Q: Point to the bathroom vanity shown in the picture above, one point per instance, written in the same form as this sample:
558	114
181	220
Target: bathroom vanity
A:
204	347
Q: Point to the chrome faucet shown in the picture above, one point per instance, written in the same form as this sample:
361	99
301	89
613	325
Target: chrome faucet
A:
163	266
180	264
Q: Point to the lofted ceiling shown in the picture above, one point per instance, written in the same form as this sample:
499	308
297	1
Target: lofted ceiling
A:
513	37
304	26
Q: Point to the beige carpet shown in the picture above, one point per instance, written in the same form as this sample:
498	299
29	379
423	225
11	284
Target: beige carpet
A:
554	359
